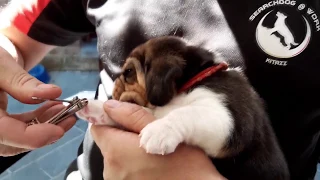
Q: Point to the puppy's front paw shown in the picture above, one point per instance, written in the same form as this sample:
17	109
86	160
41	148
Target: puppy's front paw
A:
87	114
160	137
95	114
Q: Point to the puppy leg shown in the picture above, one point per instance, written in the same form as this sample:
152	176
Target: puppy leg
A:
206	124
95	114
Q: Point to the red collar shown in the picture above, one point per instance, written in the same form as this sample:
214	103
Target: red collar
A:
202	75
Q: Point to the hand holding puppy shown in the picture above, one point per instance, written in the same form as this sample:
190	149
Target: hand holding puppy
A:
123	159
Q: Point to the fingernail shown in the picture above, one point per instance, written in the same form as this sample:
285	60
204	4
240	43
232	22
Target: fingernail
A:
46	86
54	140
112	103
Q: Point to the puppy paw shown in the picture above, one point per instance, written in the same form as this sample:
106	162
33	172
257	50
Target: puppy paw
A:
160	137
95	114
86	114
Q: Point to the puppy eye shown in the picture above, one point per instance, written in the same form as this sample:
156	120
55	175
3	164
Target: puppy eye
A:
127	72
130	75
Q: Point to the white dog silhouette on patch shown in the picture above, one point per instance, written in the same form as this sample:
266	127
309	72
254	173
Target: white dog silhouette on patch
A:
282	29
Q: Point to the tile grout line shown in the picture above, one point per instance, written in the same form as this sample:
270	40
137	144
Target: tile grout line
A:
58	148
74	139
5	177
61	173
46	173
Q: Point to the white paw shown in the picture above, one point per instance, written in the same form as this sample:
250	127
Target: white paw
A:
95	114
159	137
86	114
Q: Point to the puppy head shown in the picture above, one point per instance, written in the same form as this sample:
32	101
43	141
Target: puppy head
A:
130	85
167	63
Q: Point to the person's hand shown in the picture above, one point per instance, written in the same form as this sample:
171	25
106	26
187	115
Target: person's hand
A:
15	136
123	159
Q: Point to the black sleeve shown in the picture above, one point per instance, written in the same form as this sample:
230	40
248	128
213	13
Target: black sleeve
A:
53	22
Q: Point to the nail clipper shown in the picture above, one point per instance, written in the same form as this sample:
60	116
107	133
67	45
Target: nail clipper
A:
74	106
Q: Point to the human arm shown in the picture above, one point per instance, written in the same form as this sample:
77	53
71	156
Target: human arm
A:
20	50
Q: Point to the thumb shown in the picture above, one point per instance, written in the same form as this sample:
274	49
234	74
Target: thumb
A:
20	84
131	116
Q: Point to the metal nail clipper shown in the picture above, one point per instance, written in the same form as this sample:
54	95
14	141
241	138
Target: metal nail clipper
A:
74	106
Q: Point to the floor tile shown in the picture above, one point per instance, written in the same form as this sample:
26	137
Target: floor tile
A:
6	178
59	159
89	49
4	174
82	125
73	82
32	156
59	177
30	173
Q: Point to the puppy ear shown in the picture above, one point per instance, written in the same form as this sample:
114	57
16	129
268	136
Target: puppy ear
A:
161	84
199	56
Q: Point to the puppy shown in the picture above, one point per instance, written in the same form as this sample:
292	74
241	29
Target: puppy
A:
199	101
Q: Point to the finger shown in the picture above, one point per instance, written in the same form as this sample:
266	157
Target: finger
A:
105	135
68	123
6	151
43	113
3	100
130	116
21	85
18	134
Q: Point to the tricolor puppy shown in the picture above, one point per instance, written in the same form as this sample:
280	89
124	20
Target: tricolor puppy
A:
200	102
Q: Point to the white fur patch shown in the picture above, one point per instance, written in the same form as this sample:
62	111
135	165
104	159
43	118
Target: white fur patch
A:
238	69
75	175
198	118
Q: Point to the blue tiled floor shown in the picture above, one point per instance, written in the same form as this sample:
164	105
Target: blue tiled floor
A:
50	162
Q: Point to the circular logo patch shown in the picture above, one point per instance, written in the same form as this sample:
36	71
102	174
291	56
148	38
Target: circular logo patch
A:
283	33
